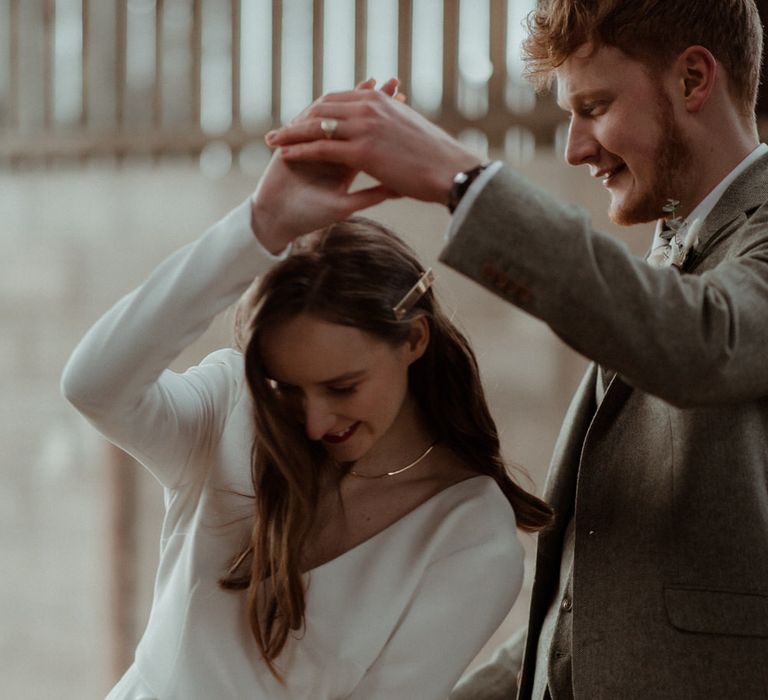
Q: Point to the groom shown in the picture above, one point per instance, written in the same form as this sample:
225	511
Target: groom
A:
653	583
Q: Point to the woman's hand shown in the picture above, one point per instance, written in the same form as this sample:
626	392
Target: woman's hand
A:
295	198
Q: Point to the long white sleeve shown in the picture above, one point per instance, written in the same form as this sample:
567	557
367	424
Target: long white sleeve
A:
117	376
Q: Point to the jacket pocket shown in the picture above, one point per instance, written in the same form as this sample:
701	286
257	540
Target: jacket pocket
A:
717	612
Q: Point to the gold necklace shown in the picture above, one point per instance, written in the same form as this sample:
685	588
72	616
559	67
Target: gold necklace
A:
352	472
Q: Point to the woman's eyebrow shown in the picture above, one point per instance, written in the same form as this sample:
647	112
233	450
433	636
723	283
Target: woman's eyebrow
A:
347	376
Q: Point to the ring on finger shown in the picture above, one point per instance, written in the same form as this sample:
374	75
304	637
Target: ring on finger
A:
328	126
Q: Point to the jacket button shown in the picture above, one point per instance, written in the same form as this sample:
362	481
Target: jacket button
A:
566	605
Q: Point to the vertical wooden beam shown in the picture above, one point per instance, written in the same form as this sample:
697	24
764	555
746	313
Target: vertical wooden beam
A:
497	85
121	61
236	62
361	40
404	44
49	50
13	88
318	46
450	58
84	67
196	51
157	92
277	59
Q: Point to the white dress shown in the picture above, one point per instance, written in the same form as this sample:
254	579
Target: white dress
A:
397	617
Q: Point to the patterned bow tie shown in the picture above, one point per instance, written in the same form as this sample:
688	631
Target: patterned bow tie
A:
675	244
661	255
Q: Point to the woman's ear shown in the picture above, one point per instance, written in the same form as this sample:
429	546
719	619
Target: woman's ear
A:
418	338
697	69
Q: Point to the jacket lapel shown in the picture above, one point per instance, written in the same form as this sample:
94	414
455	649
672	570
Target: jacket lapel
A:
561	477
745	195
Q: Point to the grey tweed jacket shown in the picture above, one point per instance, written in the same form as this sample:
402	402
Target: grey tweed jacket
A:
668	479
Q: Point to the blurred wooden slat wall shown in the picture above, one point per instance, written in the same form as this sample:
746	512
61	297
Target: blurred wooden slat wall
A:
32	87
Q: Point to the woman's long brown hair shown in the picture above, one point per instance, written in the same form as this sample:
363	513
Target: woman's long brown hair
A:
352	273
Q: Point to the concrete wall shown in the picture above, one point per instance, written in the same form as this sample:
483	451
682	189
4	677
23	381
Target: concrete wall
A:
75	240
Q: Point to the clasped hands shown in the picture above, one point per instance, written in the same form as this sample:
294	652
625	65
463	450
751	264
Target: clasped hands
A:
307	184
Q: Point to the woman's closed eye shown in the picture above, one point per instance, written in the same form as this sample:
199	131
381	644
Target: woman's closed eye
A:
291	391
343	390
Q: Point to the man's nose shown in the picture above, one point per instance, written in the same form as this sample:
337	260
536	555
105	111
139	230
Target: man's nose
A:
318	418
581	147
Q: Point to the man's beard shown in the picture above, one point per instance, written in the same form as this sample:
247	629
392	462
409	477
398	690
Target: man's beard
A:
673	159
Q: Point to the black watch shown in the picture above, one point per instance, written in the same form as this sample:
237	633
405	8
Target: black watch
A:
461	183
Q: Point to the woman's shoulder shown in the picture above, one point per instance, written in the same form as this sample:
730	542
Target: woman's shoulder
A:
480	495
473	527
472	512
456	480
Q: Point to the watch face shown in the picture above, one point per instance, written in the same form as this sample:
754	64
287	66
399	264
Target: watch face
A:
461	183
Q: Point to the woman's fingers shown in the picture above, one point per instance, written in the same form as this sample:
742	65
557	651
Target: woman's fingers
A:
329	121
307	130
390	87
369	197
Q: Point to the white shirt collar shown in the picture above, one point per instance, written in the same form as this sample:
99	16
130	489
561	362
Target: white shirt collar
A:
705	207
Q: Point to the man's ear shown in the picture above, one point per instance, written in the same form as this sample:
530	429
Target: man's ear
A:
418	338
697	69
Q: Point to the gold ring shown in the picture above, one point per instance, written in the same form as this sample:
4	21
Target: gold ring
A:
328	127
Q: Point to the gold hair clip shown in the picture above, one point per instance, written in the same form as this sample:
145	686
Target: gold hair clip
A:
413	295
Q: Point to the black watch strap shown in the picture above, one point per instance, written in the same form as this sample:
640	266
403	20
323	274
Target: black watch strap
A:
461	183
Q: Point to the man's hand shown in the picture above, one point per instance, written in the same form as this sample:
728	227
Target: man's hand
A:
381	136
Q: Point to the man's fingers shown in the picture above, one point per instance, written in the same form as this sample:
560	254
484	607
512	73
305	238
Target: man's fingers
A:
389	88
307	130
331	103
311	125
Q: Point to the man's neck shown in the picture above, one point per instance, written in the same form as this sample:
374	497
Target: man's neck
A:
708	202
718	156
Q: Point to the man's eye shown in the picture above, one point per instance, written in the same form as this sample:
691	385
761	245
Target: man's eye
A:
594	109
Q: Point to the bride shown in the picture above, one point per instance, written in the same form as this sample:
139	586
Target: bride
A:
339	522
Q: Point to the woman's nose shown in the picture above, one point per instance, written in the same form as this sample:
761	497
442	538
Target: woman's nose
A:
318	418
